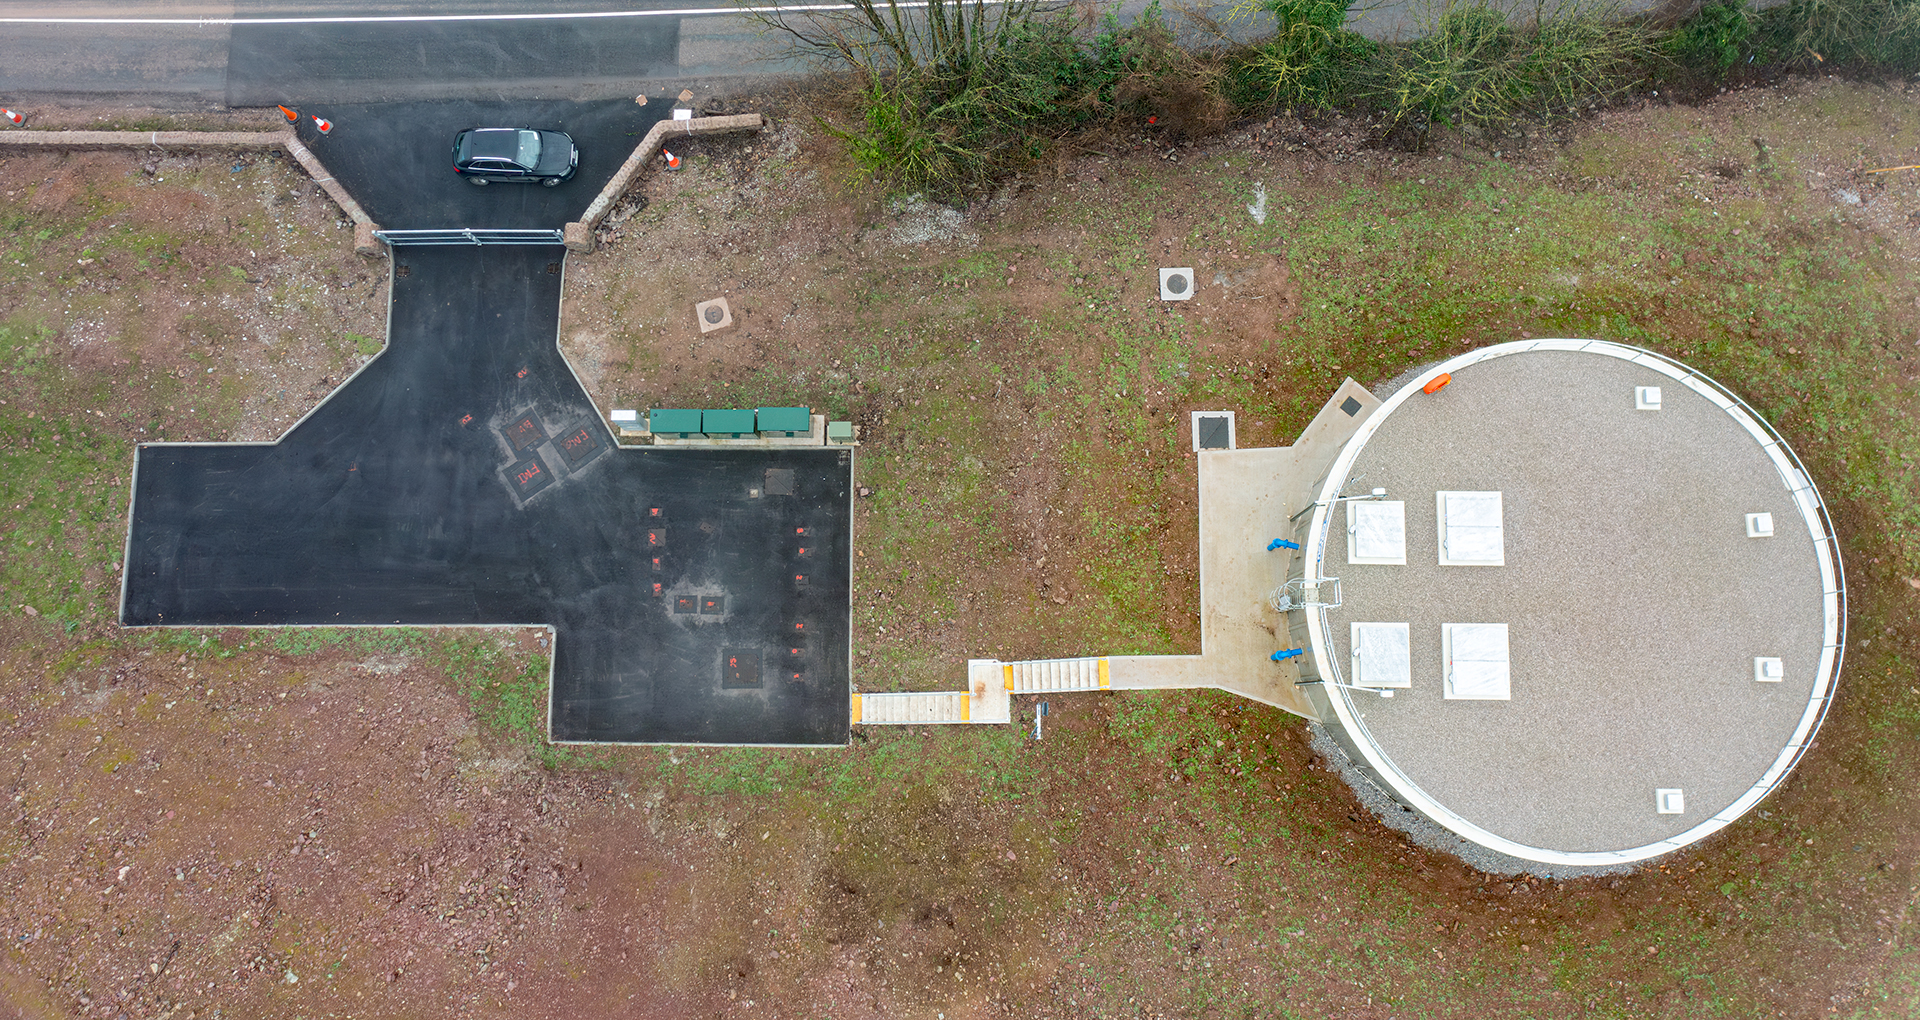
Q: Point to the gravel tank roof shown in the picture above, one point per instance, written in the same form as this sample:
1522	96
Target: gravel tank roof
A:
1641	614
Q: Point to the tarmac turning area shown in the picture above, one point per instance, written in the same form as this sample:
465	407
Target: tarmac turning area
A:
464	477
396	159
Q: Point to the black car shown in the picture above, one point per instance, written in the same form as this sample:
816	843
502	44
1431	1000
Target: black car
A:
517	155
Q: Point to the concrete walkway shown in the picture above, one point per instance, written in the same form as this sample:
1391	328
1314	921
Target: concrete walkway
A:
1246	499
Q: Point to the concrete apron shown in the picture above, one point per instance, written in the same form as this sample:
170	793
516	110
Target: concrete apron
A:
1246	499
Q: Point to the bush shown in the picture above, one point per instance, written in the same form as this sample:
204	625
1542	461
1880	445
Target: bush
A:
1311	61
959	95
1877	36
1478	67
956	95
1709	42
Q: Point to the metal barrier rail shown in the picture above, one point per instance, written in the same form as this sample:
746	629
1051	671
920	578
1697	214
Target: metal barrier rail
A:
464	235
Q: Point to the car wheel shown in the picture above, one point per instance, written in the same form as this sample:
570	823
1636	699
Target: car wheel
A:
551	182
478	182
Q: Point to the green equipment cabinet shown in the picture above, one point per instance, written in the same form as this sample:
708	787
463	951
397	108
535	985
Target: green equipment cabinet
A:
726	424
785	421
673	424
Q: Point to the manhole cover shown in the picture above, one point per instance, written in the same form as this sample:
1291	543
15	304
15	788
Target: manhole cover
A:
739	668
529	477
1214	434
1351	406
525	432
714	315
1176	284
580	446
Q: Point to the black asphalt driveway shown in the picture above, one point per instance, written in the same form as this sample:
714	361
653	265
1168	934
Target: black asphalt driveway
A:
397	158
463	477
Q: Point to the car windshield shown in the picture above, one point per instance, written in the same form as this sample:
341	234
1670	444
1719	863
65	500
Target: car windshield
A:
529	155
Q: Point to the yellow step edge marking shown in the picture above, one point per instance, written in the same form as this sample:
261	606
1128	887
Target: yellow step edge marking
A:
966	708
856	707
1008	668
1104	680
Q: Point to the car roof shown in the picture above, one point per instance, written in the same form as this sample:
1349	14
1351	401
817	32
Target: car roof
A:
494	143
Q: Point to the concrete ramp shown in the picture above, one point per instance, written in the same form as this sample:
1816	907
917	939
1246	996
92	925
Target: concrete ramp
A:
987	699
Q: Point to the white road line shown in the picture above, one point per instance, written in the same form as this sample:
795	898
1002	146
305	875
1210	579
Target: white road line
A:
417	18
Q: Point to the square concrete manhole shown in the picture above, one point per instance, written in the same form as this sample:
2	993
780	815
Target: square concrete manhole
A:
1213	430
1176	284
528	477
739	667
779	481
579	445
713	315
524	432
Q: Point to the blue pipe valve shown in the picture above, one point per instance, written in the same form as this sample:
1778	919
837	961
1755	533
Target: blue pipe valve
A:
1286	653
1281	543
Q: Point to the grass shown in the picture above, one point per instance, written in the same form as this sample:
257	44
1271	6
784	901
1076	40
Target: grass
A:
1800	312
1122	823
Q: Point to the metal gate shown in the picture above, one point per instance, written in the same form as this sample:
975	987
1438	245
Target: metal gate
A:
463	235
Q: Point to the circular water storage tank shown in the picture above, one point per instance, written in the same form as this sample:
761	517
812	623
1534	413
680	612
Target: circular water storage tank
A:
1604	593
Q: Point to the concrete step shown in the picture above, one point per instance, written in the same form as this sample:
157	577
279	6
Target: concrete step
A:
1046	676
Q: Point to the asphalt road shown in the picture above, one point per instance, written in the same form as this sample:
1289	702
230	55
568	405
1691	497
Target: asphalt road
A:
171	54
248	53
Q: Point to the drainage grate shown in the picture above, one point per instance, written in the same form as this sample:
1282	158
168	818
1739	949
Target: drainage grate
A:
1351	406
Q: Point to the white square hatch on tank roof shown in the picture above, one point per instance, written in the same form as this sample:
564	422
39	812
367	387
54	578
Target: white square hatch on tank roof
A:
1377	531
1475	662
1472	529
1381	654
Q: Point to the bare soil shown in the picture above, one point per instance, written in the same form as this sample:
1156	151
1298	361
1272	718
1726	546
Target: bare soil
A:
240	827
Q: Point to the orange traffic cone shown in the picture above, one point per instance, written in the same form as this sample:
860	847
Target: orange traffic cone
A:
673	161
13	117
325	125
292	117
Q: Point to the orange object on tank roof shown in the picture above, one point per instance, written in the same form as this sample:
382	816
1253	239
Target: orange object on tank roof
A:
1439	381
